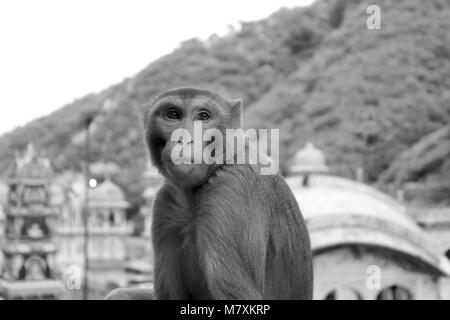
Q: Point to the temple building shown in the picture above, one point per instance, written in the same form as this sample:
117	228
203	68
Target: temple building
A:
365	245
139	246
118	256
29	268
108	226
108	230
436	222
69	225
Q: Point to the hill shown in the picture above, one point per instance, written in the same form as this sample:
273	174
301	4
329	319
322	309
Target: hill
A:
317	73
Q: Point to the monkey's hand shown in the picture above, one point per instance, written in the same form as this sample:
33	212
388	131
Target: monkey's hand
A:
130	294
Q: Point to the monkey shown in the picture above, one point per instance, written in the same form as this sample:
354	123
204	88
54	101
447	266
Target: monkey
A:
219	230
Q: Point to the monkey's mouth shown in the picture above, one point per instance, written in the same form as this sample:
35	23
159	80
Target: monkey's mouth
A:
188	174
194	155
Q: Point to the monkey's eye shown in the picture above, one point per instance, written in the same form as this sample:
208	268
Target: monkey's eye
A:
172	114
203	116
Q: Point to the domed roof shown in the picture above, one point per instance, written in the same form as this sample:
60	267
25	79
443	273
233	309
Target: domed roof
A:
309	159
107	194
340	211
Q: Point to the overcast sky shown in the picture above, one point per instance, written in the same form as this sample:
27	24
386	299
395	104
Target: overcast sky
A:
52	52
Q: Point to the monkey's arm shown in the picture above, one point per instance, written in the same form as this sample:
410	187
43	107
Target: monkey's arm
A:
233	267
168	282
167	269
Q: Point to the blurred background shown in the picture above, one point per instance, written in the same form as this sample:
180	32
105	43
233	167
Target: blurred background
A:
360	91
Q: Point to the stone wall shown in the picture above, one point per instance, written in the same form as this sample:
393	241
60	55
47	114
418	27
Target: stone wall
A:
347	270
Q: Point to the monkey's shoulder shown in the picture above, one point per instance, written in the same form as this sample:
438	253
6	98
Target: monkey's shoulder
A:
249	175
244	182
233	188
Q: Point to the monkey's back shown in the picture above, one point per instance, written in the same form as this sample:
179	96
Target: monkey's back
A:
288	270
244	218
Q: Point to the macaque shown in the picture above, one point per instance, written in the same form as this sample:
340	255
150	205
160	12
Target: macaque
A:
220	230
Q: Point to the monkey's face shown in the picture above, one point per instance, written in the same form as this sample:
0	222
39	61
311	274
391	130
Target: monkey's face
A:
187	110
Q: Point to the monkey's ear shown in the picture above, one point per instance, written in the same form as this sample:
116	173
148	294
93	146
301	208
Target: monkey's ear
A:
237	113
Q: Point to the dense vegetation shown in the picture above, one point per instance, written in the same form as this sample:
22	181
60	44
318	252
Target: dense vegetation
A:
369	98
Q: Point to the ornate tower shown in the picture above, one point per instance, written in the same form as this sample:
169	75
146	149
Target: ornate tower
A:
29	249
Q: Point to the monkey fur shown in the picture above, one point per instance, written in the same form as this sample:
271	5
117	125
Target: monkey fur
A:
220	231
